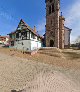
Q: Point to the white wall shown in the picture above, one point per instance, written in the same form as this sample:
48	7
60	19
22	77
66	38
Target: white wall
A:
26	45
29	45
35	45
39	44
67	35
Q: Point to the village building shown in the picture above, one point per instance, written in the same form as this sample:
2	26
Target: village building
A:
4	40
57	35
25	38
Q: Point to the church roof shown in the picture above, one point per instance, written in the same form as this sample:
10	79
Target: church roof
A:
66	28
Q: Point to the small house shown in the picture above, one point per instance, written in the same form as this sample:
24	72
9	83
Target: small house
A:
25	38
4	40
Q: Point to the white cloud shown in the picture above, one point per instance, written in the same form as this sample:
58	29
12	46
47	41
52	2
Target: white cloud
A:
73	19
6	15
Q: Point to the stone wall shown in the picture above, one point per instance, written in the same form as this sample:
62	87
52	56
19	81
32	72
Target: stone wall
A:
52	23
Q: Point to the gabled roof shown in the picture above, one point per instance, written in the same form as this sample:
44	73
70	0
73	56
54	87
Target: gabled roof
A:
68	29
4	37
26	26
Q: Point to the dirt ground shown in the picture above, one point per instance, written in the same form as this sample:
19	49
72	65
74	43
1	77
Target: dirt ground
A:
40	72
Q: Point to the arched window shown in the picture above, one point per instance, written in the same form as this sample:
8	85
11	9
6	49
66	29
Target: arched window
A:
51	1
49	9
52	7
51	43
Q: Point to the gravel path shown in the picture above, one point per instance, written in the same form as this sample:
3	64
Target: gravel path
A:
18	73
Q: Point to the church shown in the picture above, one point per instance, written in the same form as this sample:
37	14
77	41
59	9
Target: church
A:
57	34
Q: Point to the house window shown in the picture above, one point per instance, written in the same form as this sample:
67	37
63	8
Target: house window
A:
28	35
12	43
17	35
52	7
32	36
10	35
49	9
24	35
38	38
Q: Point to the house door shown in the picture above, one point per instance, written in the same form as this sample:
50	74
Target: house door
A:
51	43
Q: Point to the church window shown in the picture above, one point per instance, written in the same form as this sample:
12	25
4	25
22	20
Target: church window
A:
49	9
52	7
51	1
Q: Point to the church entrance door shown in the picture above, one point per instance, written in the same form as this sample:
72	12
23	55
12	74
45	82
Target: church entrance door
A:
51	43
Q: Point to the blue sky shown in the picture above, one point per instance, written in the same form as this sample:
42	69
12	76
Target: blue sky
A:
33	13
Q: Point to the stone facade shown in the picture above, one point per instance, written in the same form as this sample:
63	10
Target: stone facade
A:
54	25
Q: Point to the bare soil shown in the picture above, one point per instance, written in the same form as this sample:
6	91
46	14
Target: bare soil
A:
40	72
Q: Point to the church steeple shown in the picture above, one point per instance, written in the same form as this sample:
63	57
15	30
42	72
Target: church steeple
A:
52	22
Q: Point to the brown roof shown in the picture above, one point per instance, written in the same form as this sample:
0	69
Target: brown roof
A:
4	37
27	27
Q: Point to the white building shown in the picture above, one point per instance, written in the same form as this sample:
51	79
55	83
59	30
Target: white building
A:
67	32
4	40
25	38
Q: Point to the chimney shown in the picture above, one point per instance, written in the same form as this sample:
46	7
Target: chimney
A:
34	29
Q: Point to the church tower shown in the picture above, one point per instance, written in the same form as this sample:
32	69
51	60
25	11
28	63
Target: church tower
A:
52	23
